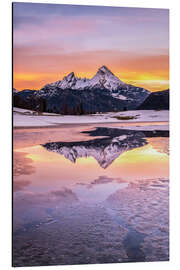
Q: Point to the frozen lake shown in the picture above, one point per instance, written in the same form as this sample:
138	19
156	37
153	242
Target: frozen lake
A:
90	194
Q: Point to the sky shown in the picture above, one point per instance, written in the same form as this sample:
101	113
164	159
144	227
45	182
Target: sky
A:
50	41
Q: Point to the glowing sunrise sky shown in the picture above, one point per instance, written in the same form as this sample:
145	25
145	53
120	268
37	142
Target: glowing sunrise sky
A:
50	41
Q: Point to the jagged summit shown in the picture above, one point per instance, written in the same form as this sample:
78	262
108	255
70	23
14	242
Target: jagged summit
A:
70	76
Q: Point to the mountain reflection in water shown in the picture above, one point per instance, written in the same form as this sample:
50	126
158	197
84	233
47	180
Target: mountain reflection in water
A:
104	150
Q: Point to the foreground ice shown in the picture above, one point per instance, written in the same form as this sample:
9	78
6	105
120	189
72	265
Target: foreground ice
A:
143	207
132	224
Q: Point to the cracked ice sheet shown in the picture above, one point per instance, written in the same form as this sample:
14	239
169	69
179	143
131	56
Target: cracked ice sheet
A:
145	207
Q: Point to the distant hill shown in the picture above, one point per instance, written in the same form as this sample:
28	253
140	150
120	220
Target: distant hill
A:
156	101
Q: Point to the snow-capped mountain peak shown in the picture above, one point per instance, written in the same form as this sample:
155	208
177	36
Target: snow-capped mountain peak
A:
103	79
104	83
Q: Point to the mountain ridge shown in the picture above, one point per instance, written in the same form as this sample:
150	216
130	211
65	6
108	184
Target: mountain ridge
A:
72	95
103	78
